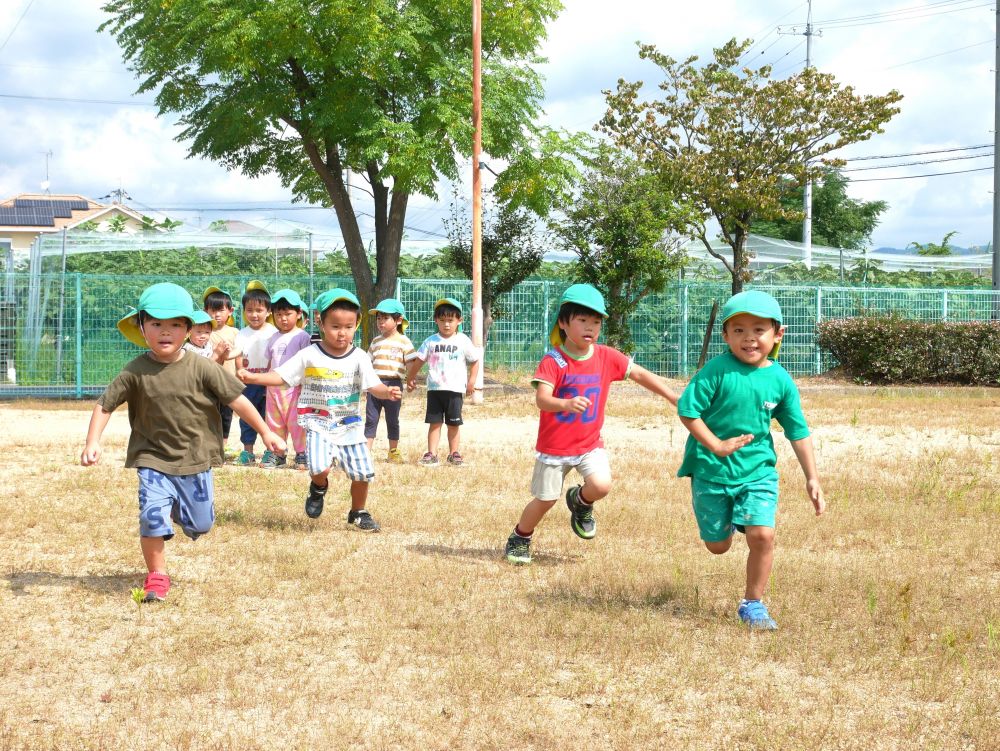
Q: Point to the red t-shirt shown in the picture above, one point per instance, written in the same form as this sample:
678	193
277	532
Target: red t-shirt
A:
569	433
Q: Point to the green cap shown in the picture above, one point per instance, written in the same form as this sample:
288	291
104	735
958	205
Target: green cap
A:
581	294
392	306
328	298
292	298
448	301
209	290
200	316
756	303
164	300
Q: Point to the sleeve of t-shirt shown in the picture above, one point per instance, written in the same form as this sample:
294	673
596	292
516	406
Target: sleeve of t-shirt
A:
269	349
368	378
117	392
789	414
698	395
293	370
407	347
618	364
472	353
546	372
421	353
226	387
299	343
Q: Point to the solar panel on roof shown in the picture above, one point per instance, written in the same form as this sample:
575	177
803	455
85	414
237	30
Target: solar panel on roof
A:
78	205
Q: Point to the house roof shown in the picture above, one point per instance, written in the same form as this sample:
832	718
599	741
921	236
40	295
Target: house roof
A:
39	212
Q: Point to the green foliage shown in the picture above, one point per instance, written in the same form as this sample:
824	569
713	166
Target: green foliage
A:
731	139
117	224
624	227
935	249
511	251
883	348
308	90
838	221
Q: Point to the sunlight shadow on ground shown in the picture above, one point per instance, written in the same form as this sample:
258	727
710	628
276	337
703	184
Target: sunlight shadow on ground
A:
488	554
667	598
22	582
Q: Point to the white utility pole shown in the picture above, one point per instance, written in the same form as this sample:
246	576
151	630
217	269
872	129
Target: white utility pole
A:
996	162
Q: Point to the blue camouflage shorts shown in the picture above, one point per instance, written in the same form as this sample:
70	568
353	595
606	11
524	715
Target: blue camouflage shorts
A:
186	500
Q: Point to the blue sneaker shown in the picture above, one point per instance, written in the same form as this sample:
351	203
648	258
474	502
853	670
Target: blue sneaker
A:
754	614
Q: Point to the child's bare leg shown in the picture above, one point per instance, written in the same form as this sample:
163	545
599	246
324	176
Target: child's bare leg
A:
372	441
595	487
320	480
392	444
760	540
720	547
359	494
153	554
532	515
433	437
453	439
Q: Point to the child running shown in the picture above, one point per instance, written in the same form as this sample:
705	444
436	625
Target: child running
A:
728	407
389	352
219	305
571	390
446	354
288	316
176	437
333	374
252	342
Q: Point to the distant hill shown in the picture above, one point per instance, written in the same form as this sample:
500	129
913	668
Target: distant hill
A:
955	251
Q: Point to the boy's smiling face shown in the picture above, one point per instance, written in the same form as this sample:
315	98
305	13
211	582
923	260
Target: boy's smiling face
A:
200	333
751	338
256	313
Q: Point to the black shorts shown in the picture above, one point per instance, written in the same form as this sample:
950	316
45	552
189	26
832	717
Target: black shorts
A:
444	406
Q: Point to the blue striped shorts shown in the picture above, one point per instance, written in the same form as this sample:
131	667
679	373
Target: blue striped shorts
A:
323	454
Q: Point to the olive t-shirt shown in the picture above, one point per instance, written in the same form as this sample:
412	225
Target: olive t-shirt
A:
173	409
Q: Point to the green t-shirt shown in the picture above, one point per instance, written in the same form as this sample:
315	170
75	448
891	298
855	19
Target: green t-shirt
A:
173	409
734	398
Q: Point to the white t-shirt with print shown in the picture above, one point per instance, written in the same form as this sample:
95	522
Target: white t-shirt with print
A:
330	400
447	361
253	344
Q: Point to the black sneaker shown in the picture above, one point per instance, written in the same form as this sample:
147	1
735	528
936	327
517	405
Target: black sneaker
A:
518	549
581	514
362	520
314	501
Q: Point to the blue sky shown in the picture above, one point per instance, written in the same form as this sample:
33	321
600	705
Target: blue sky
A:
938	53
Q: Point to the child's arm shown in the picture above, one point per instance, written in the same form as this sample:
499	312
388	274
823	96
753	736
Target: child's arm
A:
245	409
412	368
652	382
386	392
803	449
270	378
701	432
470	386
549	403
92	448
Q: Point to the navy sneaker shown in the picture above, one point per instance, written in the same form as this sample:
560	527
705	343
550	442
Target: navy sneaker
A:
581	514
362	520
314	501
518	549
754	614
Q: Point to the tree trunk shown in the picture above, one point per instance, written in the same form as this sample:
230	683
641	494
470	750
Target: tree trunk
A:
739	260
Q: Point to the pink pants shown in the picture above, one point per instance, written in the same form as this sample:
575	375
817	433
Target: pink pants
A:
282	418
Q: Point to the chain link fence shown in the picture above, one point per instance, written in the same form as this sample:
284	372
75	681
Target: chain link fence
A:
58	334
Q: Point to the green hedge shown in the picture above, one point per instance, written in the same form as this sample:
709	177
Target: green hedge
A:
893	349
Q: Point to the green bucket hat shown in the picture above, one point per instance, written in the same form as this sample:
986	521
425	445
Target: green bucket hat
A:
164	300
292	298
581	294
200	316
328	298
209	290
448	301
392	306
756	303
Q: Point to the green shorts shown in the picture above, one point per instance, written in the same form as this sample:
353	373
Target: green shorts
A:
718	507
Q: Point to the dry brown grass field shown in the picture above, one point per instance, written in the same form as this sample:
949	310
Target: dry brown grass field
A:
286	633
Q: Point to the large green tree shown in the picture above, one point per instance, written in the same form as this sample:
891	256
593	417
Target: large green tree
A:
308	89
942	248
731	138
838	221
512	250
626	229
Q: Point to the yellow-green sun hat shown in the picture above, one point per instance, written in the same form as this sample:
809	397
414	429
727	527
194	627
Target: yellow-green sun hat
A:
585	295
253	284
392	306
448	301
209	290
292	298
756	303
163	300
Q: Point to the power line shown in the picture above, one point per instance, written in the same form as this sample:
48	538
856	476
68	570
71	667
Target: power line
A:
16	24
919	153
905	18
75	101
773	26
941	54
901	14
911	164
911	177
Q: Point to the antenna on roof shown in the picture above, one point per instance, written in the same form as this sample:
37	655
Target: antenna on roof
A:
45	183
118	196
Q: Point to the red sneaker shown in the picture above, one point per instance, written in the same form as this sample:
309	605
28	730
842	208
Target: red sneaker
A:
156	587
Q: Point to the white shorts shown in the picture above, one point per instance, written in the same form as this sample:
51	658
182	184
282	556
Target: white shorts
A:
547	479
323	454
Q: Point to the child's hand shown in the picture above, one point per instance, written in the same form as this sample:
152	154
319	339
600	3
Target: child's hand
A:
91	454
411	384
815	493
273	442
395	393
244	375
221	350
578	404
470	387
732	445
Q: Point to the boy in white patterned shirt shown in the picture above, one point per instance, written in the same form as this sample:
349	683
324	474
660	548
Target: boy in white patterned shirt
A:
389	351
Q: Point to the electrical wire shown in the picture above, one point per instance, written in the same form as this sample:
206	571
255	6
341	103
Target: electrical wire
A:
919	153
75	101
829	25
17	23
911	177
941	54
911	164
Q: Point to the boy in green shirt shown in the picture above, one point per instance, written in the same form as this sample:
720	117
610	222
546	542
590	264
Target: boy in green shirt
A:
728	407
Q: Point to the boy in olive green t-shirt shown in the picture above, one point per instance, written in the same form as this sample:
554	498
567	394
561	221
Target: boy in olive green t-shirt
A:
728	407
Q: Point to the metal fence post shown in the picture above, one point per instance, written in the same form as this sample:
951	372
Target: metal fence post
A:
545	308
684	331
79	337
944	305
819	317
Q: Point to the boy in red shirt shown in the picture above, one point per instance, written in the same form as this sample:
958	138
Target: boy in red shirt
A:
571	388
